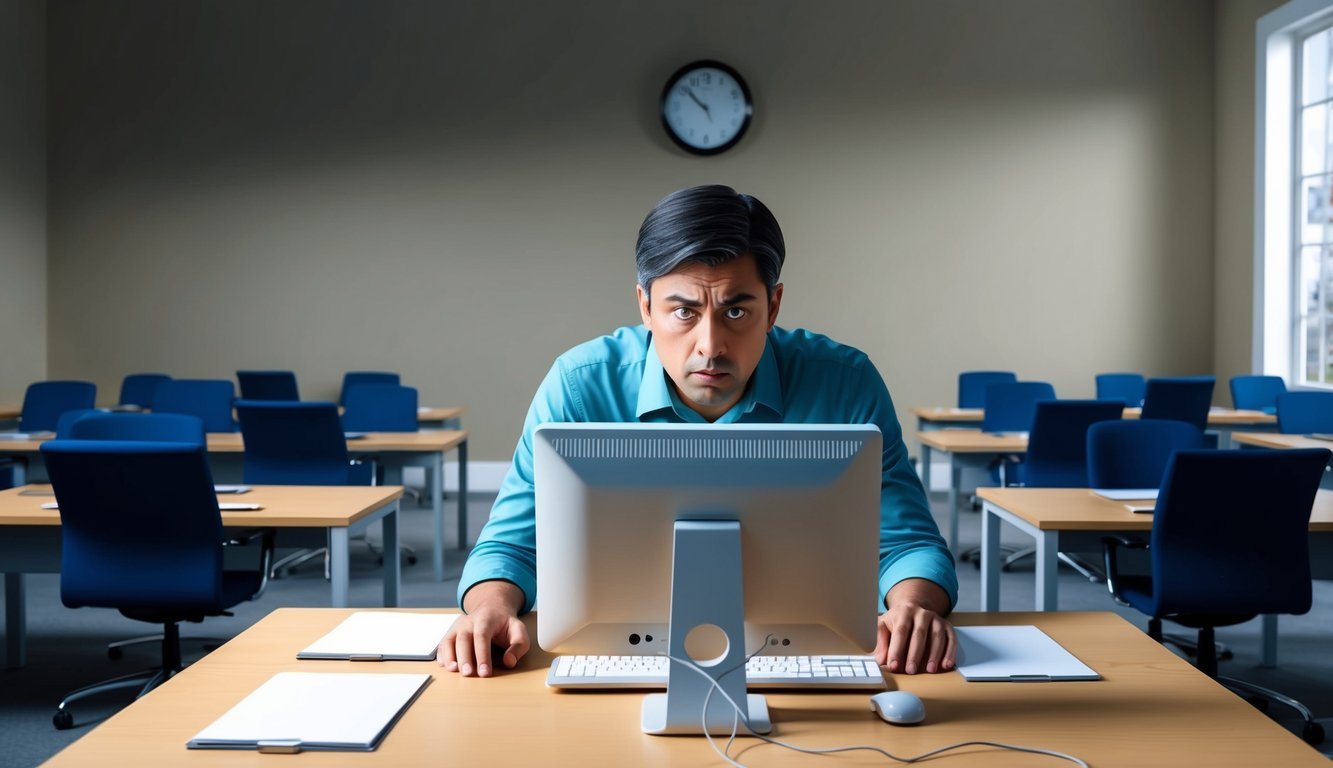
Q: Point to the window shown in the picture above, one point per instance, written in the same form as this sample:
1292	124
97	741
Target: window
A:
1293	278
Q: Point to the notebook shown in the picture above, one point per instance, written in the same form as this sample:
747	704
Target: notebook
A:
1126	494
300	711
382	636
1018	653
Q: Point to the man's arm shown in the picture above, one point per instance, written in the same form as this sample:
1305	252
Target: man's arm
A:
491	621
913	634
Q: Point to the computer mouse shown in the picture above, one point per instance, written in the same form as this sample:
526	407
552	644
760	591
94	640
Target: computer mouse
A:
898	707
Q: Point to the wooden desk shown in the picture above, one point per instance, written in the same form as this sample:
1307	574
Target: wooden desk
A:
937	417
30	537
1067	518
1279	441
447	418
966	448
1151	709
395	449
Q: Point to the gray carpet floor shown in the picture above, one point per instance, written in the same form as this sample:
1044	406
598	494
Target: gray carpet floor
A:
67	647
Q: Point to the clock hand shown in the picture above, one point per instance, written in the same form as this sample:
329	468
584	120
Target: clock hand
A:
702	105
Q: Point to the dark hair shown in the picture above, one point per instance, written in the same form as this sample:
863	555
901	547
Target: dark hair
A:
709	225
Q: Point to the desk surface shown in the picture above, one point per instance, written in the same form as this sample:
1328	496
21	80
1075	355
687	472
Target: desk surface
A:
1079	509
973	441
1152	708
10	411
1218	417
285	506
1278	440
427	413
231	442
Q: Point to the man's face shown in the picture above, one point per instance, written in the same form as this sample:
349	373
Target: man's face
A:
709	325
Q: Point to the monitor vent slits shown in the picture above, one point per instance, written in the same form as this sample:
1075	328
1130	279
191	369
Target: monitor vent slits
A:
708	448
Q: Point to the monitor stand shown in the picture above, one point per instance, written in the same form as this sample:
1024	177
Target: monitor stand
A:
706	589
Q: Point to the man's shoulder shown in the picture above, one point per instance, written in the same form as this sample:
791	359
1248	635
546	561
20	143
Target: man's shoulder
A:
802	345
623	346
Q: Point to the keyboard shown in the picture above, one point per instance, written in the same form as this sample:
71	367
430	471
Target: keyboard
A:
800	672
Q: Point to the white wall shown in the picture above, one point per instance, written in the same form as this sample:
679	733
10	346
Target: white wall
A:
453	190
22	196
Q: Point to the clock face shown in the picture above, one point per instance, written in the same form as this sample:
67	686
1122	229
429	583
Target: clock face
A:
706	107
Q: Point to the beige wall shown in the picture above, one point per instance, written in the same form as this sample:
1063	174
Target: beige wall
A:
1233	313
453	190
22	196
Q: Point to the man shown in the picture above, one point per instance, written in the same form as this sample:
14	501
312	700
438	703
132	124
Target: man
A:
708	351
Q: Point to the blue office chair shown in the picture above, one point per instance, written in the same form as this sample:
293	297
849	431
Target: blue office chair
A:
268	385
972	386
380	408
153	427
44	401
1230	541
1257	393
1184	398
1057	457
353	378
1011	406
1125	387
141	532
1134	453
136	389
297	443
1301	413
209	399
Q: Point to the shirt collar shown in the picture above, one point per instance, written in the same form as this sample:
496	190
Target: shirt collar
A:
656	394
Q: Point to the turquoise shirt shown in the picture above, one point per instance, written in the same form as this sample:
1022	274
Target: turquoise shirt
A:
802	377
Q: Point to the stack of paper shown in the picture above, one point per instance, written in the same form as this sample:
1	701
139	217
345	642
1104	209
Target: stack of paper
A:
383	636
1019	653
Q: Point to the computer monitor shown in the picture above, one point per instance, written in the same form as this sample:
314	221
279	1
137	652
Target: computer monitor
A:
767	532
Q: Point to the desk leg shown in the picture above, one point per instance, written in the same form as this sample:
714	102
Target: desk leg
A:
393	563
955	480
436	469
339	567
1269	654
1048	564
925	468
462	496
990	558
16	629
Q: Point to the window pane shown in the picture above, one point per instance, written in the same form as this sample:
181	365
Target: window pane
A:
1309	282
1310	353
1314	140
1314	70
1316	210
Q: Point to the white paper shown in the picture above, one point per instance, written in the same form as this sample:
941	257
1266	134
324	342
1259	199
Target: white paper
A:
231	489
1016	653
333	710
383	634
26	435
1126	494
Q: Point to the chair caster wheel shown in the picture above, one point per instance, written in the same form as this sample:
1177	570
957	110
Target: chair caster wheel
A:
1313	734
62	720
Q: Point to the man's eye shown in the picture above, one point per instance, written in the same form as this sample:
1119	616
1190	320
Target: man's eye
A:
682	313
735	313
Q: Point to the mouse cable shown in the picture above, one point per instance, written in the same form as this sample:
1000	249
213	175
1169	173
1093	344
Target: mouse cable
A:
714	686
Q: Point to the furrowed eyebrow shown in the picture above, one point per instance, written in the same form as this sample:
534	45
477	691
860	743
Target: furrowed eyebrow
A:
676	298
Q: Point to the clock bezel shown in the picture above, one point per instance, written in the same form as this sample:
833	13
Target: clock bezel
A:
745	93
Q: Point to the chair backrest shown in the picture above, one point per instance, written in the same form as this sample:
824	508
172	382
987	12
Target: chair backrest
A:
1257	393
289	443
1010	406
353	378
1184	398
1126	387
972	386
1133	453
209	399
1230	532
381	408
1057	455
139	524
268	385
155	427
138	388
1305	412
67	419
44	401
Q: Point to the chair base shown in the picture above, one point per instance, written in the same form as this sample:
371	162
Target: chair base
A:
144	681
288	564
117	649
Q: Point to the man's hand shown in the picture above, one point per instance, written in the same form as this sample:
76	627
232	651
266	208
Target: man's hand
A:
491	621
914	636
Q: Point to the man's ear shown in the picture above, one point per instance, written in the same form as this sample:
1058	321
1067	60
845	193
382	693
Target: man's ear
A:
644	306
773	305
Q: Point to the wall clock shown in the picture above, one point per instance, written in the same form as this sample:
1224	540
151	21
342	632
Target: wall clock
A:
706	107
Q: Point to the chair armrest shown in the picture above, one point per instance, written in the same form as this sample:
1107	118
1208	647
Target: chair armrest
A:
1110	545
265	537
